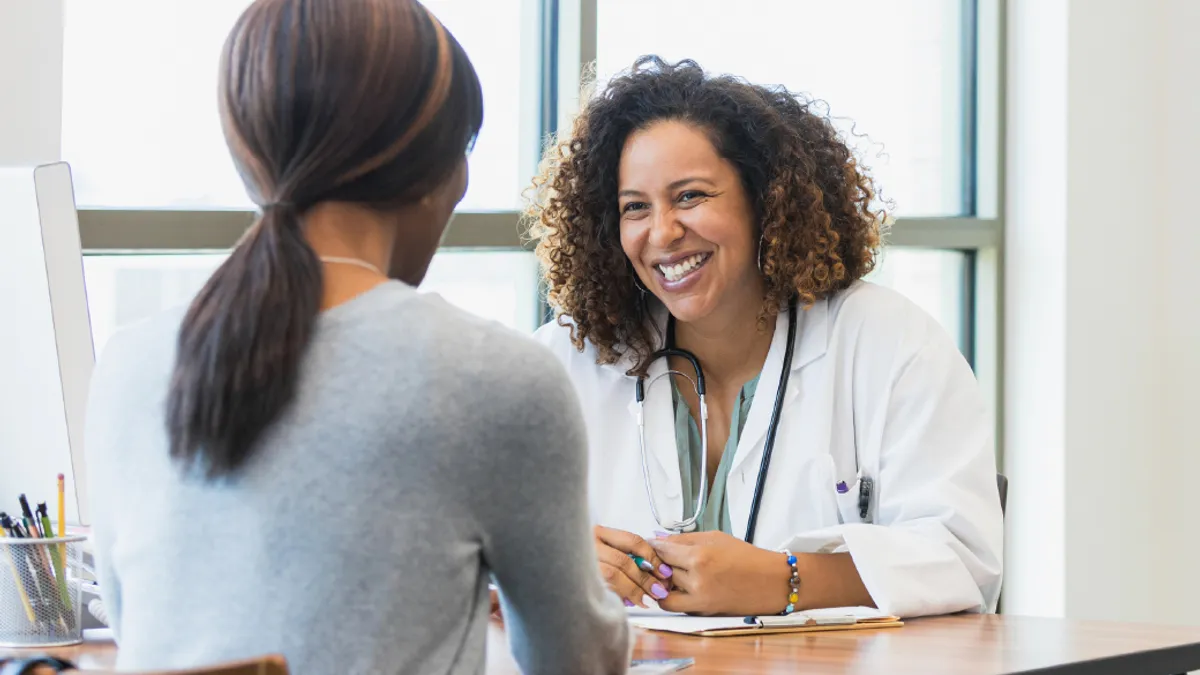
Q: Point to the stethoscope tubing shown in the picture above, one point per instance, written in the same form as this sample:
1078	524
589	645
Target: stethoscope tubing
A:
640	387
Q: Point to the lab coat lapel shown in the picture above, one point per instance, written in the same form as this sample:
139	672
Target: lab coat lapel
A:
811	341
755	429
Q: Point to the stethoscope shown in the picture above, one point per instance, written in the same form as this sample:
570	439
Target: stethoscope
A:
639	392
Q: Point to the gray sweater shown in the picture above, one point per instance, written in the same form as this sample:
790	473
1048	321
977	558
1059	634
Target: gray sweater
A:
426	449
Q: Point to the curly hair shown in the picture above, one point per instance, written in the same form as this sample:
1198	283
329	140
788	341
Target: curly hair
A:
811	199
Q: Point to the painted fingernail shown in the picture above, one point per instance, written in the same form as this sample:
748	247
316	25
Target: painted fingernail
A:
658	591
627	602
661	535
665	570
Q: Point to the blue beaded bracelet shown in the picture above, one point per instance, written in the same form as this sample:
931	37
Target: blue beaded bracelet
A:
794	582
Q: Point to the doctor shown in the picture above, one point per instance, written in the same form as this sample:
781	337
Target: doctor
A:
846	457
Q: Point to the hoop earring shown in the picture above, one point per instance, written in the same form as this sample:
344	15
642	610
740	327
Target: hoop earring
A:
637	283
762	242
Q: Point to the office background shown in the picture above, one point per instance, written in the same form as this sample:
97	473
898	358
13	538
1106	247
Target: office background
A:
1041	155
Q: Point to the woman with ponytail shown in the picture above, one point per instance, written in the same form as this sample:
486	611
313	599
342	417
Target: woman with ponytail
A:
313	458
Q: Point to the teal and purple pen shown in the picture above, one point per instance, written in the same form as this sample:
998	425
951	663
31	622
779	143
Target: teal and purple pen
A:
643	564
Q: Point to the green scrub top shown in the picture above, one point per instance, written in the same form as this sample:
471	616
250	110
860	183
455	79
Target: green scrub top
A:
687	443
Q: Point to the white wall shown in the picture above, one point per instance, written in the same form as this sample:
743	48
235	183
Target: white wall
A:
33	431
1035	298
1103	333
31	34
1179	304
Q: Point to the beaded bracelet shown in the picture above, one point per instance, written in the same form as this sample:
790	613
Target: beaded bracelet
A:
794	582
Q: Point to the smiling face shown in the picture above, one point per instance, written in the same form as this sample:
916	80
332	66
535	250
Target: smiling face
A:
687	224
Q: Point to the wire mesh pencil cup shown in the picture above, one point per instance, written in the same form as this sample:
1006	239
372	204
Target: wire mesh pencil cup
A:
40	591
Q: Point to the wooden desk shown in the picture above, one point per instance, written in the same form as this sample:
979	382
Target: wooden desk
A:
981	645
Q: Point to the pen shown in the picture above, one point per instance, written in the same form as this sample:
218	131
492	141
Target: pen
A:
23	554
56	558
799	619
25	510
31	529
39	560
643	564
17	577
43	517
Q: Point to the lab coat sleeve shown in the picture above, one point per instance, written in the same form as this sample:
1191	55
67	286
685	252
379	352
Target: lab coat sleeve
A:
934	545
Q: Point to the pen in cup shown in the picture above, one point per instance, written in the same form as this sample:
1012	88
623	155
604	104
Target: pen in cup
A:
16	575
56	556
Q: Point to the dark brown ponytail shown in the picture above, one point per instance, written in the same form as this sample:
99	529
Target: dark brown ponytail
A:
245	333
362	101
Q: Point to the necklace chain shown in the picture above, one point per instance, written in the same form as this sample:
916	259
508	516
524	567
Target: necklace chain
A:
358	262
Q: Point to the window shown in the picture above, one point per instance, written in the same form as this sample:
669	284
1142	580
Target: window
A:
900	78
123	289
891	70
935	280
913	84
140	123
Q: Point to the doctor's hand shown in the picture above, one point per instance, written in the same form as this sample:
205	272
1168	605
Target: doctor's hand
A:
716	573
621	572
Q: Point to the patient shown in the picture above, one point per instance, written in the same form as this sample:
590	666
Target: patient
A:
314	459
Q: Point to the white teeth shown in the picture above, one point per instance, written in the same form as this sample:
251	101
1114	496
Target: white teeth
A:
682	268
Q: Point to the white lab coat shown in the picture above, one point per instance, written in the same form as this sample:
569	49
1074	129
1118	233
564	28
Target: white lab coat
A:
876	383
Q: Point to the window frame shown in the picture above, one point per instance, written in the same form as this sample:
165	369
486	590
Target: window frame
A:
561	42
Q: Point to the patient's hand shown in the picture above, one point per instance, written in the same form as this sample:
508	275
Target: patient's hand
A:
636	585
495	598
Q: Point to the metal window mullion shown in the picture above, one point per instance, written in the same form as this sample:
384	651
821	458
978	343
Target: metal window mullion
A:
219	230
549	99
989	190
969	82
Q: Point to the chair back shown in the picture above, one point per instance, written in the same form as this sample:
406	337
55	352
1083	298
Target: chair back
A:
271	664
1002	484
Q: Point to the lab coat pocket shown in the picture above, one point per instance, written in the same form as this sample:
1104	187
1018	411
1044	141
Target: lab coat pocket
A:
847	502
815	505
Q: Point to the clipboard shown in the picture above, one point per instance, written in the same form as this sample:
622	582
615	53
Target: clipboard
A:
813	621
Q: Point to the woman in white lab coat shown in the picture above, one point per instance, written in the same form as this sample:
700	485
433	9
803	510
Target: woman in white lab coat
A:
708	213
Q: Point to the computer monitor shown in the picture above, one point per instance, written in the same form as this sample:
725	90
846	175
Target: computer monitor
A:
46	350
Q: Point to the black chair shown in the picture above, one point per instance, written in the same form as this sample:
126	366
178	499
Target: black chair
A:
1002	484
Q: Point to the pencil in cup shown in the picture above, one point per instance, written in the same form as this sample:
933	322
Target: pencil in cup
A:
18	583
56	556
62	520
57	612
43	576
50	597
